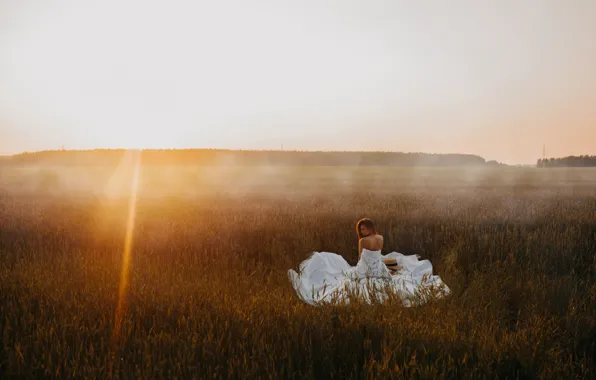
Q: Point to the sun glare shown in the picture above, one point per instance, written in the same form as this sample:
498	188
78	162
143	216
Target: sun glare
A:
127	251
192	81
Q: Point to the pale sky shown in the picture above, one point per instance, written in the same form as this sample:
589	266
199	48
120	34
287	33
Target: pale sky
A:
494	78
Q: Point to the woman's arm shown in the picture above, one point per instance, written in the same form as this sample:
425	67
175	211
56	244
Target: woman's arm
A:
359	248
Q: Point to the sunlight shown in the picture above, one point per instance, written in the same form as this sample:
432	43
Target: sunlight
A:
194	81
128	240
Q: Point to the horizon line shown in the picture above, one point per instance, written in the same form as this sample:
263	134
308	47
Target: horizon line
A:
269	150
237	150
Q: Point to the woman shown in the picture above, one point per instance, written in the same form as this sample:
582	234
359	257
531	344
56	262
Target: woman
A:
370	244
367	236
327	277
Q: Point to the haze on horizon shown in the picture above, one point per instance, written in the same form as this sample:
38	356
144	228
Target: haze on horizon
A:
498	79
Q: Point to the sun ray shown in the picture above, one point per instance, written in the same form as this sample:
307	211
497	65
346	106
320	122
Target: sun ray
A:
126	254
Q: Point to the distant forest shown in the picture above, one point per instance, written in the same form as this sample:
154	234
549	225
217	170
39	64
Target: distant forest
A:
246	157
569	161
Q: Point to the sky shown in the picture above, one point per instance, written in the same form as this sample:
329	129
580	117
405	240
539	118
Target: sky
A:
497	78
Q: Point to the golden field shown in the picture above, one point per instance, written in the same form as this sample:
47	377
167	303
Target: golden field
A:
205	293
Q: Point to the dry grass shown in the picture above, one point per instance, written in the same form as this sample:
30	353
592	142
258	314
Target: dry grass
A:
209	295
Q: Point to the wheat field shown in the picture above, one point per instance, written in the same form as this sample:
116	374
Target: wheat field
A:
202	292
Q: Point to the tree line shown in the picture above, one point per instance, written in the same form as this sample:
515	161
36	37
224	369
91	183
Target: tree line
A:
569	161
246	157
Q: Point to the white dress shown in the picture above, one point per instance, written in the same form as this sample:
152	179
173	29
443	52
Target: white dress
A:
327	277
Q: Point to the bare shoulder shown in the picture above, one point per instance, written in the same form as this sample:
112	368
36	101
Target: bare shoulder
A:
367	238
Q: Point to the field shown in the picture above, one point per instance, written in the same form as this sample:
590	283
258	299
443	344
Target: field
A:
198	287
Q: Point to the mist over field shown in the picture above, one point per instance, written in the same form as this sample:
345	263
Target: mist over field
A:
276	174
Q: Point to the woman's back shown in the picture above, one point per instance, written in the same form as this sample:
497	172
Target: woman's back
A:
372	242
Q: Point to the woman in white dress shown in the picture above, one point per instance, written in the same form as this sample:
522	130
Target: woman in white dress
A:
326	277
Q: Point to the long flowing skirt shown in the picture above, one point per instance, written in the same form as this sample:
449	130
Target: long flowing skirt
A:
326	277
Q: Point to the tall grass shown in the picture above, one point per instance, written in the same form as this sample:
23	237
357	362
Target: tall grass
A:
209	296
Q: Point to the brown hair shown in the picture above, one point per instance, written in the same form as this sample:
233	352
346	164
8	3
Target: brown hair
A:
368	224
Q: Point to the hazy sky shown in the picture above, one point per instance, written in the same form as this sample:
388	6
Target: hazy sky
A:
495	78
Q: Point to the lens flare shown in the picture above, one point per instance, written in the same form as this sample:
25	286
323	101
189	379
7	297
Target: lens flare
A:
128	241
